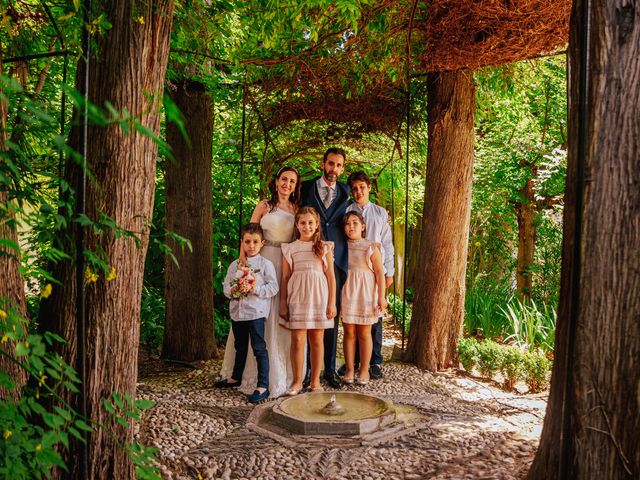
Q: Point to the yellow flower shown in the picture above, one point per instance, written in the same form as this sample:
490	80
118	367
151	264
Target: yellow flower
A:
37	394
477	244
111	275
7	434
140	20
89	276
199	477
38	447
3	314
4	338
42	379
46	291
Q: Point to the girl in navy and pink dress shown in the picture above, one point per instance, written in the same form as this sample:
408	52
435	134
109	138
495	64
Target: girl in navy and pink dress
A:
307	295
363	296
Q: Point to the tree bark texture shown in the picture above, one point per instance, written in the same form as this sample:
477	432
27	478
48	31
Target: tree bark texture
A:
525	214
12	295
439	304
188	332
127	68
603	398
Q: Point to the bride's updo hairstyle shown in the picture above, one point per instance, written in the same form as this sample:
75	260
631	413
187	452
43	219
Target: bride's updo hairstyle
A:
317	237
294	198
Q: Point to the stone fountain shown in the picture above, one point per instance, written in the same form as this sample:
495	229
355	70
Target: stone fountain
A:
333	413
357	418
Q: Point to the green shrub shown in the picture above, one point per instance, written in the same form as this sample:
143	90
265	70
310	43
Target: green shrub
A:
512	366
489	357
468	353
395	306
536	367
152	318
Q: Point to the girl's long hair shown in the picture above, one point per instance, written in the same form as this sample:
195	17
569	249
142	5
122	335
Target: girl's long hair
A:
317	237
294	198
345	219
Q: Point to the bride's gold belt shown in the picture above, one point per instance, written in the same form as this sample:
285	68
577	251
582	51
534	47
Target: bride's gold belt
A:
271	243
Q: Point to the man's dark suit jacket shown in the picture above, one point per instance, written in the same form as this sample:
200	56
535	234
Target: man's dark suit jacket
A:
331	218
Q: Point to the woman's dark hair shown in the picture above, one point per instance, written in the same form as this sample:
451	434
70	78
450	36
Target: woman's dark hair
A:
317	236
294	198
345	219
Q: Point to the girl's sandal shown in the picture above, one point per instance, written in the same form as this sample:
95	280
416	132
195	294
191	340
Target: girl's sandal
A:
348	381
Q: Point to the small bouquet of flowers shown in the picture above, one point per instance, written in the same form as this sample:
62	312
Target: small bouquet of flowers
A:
243	282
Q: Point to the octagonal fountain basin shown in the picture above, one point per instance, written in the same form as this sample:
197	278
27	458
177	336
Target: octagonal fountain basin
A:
333	413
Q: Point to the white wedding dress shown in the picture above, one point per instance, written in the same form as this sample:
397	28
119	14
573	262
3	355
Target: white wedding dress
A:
278	228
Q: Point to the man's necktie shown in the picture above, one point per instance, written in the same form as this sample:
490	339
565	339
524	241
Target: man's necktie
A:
327	197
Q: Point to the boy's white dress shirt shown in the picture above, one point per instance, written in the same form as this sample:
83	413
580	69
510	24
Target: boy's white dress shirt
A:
258	303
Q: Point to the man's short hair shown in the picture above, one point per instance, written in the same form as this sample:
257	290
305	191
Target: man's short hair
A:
335	151
358	177
252	228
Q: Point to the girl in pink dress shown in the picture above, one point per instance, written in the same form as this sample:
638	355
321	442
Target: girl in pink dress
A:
307	295
363	298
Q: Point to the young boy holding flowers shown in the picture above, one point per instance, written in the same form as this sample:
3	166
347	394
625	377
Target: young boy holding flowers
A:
250	286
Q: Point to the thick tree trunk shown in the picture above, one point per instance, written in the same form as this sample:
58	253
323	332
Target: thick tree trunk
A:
525	213
12	296
439	304
602	401
127	69
188	331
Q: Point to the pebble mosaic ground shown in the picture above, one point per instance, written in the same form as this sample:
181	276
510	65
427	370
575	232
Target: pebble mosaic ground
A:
471	430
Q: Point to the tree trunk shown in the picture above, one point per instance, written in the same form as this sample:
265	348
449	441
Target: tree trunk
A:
601	400
12	296
188	332
525	213
438	311
127	69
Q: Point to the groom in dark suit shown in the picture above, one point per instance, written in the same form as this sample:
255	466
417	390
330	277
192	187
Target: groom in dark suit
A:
331	198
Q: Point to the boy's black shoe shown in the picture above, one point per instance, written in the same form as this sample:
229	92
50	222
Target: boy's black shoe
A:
256	396
226	384
375	372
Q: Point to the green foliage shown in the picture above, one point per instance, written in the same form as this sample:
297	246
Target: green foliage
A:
536	367
395	307
222	326
489	357
468	353
531	327
152	318
34	433
482	315
512	366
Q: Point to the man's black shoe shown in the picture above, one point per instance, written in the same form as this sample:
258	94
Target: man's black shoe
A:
375	372
332	379
307	379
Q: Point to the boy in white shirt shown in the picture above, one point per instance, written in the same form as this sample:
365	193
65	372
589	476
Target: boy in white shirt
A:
376	219
250	287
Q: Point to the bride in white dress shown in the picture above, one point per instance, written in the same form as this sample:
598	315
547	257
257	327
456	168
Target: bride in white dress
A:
276	217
